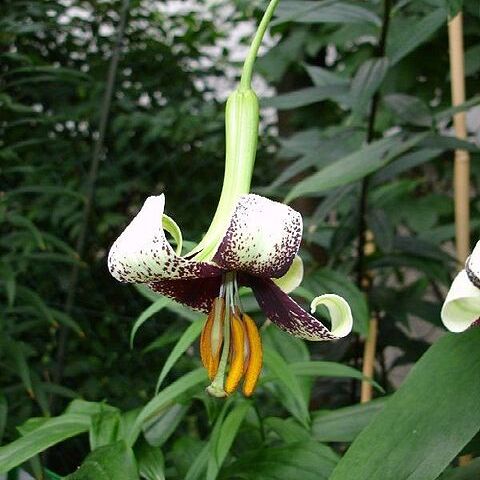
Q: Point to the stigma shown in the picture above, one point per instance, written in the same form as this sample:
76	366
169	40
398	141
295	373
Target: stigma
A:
230	344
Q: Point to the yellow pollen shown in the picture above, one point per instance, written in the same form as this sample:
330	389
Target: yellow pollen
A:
235	372
255	357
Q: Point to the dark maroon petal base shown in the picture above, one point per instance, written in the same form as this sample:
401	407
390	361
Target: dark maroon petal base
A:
197	293
284	311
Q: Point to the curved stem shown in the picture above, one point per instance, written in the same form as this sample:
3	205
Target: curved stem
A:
246	80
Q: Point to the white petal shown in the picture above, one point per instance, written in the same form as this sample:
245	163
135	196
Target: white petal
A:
462	305
293	278
340	313
262	239
142	252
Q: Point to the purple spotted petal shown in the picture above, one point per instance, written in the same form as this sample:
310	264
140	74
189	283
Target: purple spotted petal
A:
142	253
285	312
262	239
197	293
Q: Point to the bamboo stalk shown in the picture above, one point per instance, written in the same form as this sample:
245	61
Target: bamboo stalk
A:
461	173
461	170
368	368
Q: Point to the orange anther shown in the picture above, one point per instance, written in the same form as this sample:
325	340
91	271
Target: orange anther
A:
212	337
255	357
237	357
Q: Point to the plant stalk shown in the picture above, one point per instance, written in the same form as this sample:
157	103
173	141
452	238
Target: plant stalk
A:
368	363
369	360
461	173
461	169
246	79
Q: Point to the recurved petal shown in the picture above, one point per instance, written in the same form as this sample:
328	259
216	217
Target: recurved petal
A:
197	293
262	239
462	305
142	253
289	316
293	278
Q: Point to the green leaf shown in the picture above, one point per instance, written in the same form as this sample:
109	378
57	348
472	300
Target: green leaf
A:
302	460
105	429
82	407
157	430
329	369
408	437
107	463
305	96
221	443
20	221
278	367
36	301
354	166
322	77
365	83
166	397
188	337
199	465
146	314
288	429
344	424
447	113
16	353
308	11
50	432
409	109
405	163
406	40
151	463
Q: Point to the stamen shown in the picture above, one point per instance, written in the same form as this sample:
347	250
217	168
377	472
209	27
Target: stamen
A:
216	388
237	356
206	341
230	342
216	336
255	357
212	337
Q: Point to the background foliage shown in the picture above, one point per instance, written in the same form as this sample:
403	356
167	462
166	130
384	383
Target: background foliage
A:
361	145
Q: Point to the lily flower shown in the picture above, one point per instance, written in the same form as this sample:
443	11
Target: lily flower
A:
461	308
252	241
260	243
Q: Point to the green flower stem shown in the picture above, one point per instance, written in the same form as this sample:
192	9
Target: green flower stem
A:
246	80
241	130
